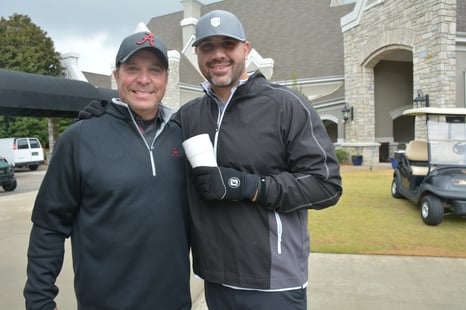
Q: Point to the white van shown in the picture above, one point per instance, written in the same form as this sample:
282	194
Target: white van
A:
22	152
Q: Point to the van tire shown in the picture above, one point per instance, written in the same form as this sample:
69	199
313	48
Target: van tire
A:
33	167
8	187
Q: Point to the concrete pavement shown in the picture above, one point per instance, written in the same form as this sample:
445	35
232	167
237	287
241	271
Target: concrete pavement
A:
337	281
368	282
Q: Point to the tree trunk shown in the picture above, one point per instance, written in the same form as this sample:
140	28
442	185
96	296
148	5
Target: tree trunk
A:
53	134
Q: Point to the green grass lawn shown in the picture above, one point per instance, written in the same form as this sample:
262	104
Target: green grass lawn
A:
367	220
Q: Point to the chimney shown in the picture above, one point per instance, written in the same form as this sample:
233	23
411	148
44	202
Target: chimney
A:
70	62
192	13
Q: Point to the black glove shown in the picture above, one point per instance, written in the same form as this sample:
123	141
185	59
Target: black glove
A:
219	183
93	109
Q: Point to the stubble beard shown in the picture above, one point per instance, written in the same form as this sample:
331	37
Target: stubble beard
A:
220	82
228	80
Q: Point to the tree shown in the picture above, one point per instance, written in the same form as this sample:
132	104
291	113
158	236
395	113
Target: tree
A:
26	47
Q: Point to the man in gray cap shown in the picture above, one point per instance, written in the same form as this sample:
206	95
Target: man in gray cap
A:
275	161
116	186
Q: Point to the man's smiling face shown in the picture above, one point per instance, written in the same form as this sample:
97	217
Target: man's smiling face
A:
142	82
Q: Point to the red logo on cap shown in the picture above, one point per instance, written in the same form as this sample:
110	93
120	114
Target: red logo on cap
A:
148	38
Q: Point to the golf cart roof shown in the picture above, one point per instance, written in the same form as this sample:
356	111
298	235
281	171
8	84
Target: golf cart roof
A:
435	111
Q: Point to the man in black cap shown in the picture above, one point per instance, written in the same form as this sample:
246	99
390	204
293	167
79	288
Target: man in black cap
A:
275	161
116	186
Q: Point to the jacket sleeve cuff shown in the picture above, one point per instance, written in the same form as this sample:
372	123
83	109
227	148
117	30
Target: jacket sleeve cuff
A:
262	189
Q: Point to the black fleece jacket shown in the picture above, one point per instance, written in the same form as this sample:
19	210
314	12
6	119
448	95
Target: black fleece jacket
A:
123	203
272	132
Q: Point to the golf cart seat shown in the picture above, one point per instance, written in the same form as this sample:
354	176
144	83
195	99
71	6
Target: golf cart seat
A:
416	153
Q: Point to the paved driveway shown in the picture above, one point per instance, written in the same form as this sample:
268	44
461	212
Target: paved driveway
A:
344	282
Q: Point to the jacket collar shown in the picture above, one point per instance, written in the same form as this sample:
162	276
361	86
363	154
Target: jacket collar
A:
121	110
207	87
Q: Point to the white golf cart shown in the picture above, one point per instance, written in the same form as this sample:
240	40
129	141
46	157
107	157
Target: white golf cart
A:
432	173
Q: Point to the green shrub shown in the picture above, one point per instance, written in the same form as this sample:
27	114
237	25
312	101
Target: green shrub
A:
342	155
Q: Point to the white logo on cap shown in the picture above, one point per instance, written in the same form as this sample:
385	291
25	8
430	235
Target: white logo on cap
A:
215	21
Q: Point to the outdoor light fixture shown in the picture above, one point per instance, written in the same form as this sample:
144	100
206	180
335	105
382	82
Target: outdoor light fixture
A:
347	113
421	100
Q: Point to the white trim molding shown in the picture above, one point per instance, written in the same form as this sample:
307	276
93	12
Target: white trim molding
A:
353	18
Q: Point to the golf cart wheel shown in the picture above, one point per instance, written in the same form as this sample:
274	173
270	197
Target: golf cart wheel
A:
395	192
431	210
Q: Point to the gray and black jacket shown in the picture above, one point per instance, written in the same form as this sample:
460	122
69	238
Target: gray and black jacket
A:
122	201
270	131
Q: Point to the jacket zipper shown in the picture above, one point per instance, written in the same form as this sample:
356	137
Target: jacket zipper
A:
219	124
149	148
217	130
279	232
221	112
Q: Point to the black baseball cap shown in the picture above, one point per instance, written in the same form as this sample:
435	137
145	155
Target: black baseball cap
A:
139	41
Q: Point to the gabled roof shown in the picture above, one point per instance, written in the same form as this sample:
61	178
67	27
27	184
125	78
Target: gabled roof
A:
303	37
98	80
168	28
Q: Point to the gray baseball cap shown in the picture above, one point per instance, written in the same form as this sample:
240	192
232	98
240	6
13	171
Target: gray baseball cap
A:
219	23
139	41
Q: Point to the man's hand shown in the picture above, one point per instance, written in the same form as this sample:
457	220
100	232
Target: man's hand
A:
93	109
219	183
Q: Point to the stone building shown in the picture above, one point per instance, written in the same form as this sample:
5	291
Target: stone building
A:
397	51
370	58
391	51
298	45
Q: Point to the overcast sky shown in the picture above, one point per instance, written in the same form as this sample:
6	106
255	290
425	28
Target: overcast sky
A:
91	28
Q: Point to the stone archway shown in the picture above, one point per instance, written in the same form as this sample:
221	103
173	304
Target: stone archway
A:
381	31
331	125
393	90
403	126
387	65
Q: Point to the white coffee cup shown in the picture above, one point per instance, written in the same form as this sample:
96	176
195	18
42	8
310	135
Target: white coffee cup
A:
200	151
